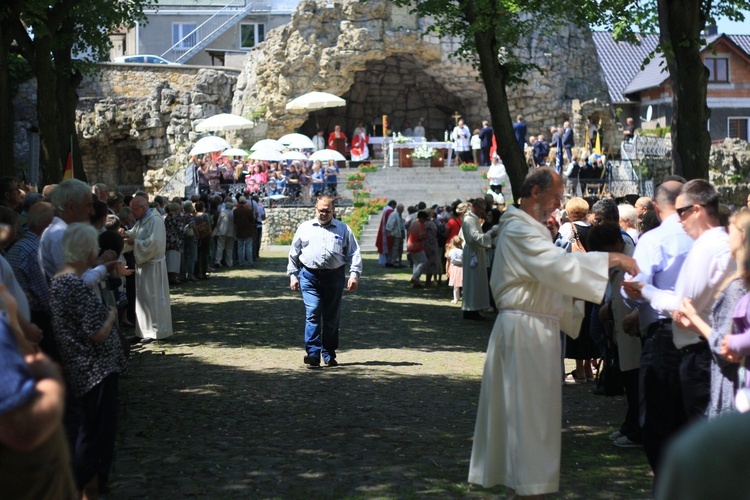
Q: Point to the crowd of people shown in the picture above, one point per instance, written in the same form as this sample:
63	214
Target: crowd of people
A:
666	327
297	180
78	268
650	299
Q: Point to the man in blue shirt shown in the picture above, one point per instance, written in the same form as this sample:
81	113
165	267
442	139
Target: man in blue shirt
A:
660	254
320	250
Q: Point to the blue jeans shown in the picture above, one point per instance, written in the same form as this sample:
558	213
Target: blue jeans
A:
191	255
244	251
322	296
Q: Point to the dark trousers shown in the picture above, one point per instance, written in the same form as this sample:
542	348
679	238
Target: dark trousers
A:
631	427
256	242
95	444
322	294
485	155
204	249
695	379
661	410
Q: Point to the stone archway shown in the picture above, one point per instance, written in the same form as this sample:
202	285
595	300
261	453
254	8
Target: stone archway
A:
397	86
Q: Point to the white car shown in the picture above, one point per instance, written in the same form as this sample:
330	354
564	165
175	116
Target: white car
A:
142	59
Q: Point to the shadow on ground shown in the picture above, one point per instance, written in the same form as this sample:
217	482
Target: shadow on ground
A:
225	409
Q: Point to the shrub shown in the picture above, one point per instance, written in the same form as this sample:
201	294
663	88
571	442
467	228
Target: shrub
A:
366	169
469	167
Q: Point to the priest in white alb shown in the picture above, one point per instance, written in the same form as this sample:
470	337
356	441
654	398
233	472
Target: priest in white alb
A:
148	240
517	437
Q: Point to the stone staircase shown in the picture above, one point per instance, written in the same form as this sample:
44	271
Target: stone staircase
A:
411	185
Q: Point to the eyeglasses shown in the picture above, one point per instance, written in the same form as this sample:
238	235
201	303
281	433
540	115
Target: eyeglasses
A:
323	211
683	210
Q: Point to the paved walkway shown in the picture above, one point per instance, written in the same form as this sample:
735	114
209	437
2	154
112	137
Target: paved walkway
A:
226	409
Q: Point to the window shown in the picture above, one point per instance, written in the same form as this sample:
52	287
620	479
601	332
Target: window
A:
251	35
180	31
738	128
718	70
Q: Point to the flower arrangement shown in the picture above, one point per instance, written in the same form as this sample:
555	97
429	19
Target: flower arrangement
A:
359	176
400	139
284	238
469	167
424	153
366	169
483	175
361	214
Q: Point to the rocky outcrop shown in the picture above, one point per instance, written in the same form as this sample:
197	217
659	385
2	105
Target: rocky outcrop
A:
134	138
369	53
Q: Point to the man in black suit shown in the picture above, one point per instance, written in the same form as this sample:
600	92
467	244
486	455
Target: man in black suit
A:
485	136
568	140
519	129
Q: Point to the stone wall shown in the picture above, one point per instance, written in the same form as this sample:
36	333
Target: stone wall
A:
344	48
135	123
279	220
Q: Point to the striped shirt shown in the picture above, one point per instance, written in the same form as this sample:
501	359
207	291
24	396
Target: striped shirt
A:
324	247
22	257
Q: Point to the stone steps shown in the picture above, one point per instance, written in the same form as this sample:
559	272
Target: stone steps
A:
412	185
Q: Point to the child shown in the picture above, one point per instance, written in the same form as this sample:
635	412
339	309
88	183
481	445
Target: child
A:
454	268
476	146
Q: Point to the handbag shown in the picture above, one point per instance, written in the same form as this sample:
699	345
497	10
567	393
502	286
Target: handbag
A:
188	231
204	229
575	241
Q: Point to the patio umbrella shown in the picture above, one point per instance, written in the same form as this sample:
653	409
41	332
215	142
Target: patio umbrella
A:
266	154
297	141
209	144
235	152
293	155
267	144
327	154
223	122
315	100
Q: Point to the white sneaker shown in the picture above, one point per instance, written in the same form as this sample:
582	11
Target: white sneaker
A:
624	442
615	436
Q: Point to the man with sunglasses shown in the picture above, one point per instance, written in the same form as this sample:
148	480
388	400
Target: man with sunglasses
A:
320	250
676	375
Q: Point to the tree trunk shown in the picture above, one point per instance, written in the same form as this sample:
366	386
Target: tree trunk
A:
68	81
494	76
7	160
680	24
51	152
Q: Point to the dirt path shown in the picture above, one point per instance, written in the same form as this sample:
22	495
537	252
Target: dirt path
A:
226	409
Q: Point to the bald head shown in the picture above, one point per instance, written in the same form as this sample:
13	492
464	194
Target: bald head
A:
40	216
138	206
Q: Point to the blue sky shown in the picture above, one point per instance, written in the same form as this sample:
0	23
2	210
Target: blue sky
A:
734	28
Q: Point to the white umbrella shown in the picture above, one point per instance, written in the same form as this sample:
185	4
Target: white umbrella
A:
315	100
223	122
266	154
294	155
276	197
327	154
297	141
267	144
235	152
209	144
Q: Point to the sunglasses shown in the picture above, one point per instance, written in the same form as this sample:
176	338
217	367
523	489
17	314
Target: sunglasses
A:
682	210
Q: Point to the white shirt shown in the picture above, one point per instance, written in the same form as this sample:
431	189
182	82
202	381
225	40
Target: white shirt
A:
461	137
51	255
497	174
319	142
707	265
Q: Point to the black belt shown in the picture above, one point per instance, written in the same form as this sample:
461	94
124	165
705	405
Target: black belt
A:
661	324
321	272
700	346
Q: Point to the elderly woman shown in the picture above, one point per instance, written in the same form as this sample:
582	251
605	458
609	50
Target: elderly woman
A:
190	246
92	358
174	224
581	349
629	220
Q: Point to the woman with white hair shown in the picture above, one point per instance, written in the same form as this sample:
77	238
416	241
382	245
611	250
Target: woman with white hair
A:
629	220
92	358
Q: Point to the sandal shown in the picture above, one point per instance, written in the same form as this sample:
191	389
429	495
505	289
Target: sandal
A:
571	379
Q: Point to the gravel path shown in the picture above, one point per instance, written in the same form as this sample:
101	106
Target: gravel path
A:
226	409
